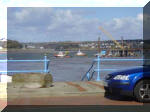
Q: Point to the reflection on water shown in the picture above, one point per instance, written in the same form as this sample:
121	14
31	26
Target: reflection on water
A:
65	69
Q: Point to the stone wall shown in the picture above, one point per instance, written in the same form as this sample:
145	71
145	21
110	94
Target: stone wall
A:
32	80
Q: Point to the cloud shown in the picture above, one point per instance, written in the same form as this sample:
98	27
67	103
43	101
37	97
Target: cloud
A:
57	24
128	27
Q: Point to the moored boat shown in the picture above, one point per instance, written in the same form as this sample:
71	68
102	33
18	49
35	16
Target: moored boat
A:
98	54
79	53
60	54
101	54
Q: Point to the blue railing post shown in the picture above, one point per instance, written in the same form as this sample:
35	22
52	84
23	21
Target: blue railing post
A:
45	64
98	68
88	76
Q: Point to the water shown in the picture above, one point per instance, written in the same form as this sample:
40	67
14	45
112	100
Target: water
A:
3	56
3	65
66	69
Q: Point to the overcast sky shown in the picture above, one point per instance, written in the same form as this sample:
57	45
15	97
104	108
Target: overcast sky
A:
73	24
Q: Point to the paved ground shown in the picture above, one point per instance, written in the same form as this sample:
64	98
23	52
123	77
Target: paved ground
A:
3	95
58	89
63	93
3	103
66	93
74	100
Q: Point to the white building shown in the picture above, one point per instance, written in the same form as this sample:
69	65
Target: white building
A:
3	39
30	46
3	42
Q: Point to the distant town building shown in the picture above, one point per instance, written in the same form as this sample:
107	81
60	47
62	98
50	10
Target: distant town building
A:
41	47
3	43
104	45
30	47
109	44
3	39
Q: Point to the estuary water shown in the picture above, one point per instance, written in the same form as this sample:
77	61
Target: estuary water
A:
3	65
67	69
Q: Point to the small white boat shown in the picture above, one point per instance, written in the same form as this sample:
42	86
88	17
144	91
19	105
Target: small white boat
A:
110	54
98	54
60	54
102	53
79	53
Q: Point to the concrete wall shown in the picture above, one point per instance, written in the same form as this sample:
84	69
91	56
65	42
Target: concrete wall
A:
5	78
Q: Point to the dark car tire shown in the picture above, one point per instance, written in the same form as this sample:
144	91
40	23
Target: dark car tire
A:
138	92
107	92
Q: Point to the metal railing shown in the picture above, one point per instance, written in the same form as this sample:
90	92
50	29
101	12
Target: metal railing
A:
98	69
45	70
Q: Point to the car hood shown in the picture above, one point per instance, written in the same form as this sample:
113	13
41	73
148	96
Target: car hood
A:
132	71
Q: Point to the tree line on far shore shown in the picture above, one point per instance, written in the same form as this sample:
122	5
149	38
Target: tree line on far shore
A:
13	44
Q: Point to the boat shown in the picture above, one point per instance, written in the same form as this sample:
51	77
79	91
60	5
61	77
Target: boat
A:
110	54
79	53
67	54
98	54
60	54
101	54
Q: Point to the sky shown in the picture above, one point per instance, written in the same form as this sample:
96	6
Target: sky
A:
50	24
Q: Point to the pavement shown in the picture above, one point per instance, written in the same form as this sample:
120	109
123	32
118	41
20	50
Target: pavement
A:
64	93
3	95
73	100
58	89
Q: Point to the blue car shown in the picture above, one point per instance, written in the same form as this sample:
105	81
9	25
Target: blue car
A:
133	82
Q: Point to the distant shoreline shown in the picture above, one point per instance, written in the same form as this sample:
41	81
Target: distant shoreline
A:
41	50
30	51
